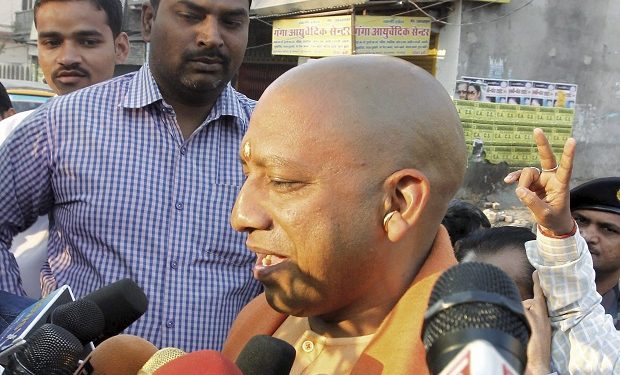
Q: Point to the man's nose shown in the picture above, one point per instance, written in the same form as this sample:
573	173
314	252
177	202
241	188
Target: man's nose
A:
588	233
209	33
248	213
69	54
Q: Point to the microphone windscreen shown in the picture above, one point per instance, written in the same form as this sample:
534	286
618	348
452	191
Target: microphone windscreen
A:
122	303
50	350
475	279
200	363
118	355
264	355
160	358
83	318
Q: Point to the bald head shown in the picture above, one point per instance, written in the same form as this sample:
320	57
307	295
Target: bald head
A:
350	163
390	113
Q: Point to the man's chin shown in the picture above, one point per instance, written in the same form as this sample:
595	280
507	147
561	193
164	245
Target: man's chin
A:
63	88
282	304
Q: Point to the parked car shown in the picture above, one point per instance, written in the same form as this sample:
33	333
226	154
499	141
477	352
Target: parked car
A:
27	95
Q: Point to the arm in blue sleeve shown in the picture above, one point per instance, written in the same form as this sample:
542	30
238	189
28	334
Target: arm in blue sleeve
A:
25	188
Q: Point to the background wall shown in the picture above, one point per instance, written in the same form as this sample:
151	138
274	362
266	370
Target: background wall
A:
568	41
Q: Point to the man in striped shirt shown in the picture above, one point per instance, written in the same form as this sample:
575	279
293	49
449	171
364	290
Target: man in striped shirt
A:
140	175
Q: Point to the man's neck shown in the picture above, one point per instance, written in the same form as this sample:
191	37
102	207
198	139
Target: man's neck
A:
606	281
190	118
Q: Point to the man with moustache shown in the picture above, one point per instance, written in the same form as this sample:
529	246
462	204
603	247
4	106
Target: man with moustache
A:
342	203
79	43
140	174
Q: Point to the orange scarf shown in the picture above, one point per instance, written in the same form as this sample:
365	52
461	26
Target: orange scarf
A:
397	345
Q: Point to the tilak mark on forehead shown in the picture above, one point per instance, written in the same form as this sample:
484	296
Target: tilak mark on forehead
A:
247	150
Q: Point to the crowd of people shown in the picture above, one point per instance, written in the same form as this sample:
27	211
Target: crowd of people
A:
318	215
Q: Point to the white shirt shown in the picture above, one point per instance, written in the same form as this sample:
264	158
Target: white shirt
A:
8	124
584	339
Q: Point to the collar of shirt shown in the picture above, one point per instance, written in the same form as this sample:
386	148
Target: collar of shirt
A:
143	91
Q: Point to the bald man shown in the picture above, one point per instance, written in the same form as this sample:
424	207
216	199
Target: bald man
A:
351	162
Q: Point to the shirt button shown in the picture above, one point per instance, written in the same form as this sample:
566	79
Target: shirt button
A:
174	264
307	346
183	150
170	323
179	205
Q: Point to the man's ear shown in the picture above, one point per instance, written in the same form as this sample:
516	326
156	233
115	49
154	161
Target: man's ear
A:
409	192
148	15
8	113
121	48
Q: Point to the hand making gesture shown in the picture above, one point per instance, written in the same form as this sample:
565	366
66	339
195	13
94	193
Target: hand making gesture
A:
545	191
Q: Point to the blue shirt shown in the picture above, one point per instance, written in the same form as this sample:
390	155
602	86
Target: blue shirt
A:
129	197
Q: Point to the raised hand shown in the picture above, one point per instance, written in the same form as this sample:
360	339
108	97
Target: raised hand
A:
546	192
539	346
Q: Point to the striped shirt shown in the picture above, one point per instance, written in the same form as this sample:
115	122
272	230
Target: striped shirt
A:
129	197
584	339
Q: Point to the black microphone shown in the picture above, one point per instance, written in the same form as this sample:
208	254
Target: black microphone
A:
266	355
50	350
475	323
83	318
103	313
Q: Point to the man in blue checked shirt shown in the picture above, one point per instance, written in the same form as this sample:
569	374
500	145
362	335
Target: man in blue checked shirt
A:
140	174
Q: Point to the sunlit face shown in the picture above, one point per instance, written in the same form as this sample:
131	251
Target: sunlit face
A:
75	44
310	207
601	230
197	45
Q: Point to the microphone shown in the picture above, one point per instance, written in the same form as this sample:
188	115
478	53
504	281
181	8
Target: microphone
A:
83	318
122	303
266	355
160	358
199	363
475	323
31	318
50	350
118	355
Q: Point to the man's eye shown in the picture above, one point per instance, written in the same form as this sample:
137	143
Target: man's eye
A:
90	42
51	43
284	184
232	23
189	16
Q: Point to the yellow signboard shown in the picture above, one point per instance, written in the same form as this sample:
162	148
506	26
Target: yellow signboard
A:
317	36
329	36
396	36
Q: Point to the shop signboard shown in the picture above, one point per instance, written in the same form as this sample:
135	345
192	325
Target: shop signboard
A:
329	36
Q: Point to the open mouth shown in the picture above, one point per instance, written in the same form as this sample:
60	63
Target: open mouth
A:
266	264
268	260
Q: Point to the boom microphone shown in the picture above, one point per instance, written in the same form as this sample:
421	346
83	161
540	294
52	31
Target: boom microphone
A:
475	323
266	355
199	363
50	350
118	355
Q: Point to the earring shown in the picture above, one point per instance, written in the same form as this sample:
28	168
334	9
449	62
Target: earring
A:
387	218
